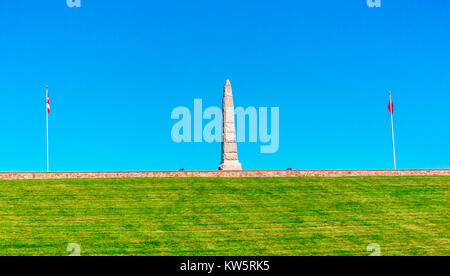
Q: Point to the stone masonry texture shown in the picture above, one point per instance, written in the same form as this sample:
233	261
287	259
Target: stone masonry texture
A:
229	146
234	174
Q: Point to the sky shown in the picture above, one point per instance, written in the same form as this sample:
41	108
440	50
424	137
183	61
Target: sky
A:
117	69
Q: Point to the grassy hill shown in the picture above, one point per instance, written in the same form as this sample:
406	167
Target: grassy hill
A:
256	216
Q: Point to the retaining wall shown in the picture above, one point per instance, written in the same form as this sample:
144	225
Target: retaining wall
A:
259	173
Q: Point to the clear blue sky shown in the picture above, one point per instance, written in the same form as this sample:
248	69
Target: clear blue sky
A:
116	69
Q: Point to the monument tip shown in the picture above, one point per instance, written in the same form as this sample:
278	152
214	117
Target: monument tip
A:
228	82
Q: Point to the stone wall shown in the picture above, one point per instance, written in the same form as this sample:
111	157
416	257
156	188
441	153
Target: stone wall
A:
261	173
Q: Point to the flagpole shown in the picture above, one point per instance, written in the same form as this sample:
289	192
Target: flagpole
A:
392	124
46	113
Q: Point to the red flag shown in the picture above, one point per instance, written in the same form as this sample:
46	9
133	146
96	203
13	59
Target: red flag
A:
391	106
48	103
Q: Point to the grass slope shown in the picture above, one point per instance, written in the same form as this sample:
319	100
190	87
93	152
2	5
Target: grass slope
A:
256	216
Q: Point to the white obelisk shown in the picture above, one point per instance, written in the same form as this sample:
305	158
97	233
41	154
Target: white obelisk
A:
230	160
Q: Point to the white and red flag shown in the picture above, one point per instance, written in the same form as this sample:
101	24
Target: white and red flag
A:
391	105
46	115
48	102
391	110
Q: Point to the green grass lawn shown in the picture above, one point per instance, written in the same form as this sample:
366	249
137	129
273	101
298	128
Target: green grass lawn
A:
211	216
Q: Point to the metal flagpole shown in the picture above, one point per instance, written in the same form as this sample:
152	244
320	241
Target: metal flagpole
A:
392	123
46	113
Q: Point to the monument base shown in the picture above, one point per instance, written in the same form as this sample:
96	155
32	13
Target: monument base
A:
230	165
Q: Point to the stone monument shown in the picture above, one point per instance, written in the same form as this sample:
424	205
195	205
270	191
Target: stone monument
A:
230	160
